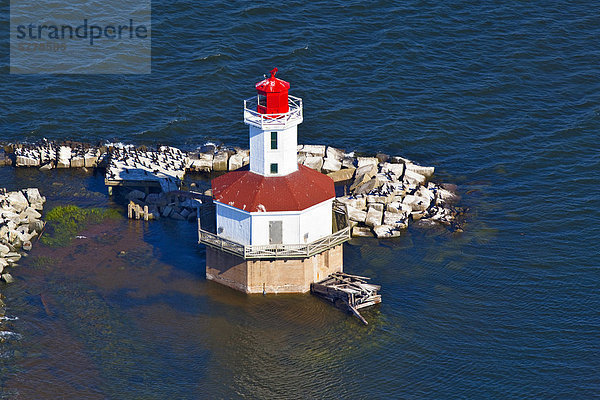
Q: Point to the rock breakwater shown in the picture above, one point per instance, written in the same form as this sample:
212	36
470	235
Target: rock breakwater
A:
20	222
383	194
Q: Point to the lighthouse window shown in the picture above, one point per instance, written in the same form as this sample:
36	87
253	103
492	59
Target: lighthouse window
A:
274	168
273	140
262	100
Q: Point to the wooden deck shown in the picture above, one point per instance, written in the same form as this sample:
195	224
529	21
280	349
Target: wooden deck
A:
349	292
248	252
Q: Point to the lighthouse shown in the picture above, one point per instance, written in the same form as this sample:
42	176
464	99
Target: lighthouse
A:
277	229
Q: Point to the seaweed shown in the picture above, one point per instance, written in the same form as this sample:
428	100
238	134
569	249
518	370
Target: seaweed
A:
63	223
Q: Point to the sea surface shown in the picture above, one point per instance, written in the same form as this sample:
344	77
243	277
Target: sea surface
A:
503	98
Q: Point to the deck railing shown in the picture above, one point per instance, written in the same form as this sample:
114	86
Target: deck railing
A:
274	250
302	250
273	121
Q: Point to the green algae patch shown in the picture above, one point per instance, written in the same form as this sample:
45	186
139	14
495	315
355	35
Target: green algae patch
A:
63	223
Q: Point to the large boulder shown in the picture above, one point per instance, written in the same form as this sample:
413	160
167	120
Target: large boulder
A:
33	196
395	220
362	231
348	162
414	178
313	150
90	158
386	231
335	154
416	203
354	214
367	161
374	215
314	162
29	215
17	201
63	159
367	187
78	161
342	175
331	165
396	170
220	161
352	201
236	161
363	174
4	250
425	171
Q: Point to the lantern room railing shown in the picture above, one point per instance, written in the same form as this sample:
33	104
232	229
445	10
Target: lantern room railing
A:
273	121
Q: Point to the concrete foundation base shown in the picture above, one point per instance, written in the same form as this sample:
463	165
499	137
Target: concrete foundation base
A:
272	275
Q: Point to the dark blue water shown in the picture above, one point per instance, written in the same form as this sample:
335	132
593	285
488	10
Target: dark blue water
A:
503	98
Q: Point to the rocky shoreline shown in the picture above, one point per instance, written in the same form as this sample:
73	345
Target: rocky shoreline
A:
383	194
20	222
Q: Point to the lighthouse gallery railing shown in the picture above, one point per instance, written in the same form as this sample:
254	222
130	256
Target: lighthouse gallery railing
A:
274	250
273	121
278	250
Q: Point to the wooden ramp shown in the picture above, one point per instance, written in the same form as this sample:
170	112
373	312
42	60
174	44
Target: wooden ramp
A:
348	292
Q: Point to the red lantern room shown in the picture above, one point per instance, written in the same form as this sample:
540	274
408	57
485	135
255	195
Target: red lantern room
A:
272	95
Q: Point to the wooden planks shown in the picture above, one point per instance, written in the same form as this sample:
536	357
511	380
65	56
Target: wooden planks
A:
347	291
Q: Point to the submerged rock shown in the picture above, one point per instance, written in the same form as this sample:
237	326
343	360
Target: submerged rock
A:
7	278
386	231
362	231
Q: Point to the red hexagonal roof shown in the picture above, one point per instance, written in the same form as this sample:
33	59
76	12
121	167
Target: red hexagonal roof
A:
252	192
272	84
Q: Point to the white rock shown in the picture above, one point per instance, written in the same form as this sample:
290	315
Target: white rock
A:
395	220
331	165
348	162
445	196
413	177
4	250
314	150
356	202
334	153
17	201
203	164
8	278
362	175
315	163
63	157
236	161
367	161
26	161
33	196
12	257
362	231
374	215
385	231
367	187
425	171
77	162
357	215
29	215
220	161
395	169
416	203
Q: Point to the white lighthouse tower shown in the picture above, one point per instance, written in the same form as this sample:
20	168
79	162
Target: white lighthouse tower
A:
275	225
